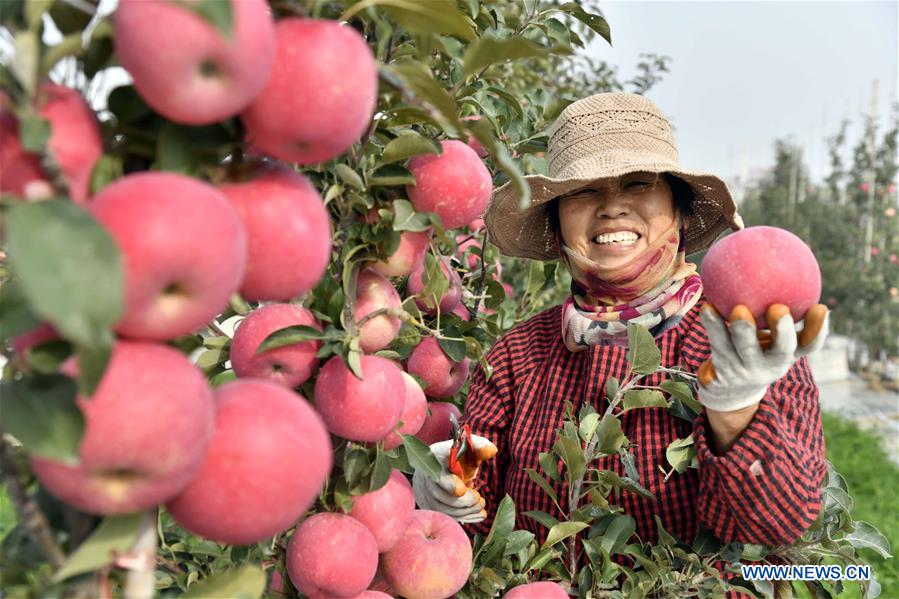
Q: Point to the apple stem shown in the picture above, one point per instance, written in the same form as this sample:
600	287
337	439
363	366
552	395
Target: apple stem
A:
140	582
28	511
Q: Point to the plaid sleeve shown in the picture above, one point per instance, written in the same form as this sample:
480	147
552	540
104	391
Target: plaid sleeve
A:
767	488
488	410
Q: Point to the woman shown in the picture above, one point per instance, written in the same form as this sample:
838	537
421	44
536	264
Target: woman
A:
622	215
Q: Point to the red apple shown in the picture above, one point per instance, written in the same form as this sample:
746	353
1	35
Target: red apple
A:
387	511
437	426
20	171
415	408
333	555
246	490
147	427
184	67
442	376
183	247
760	266
462	312
448	301
407	256
288	233
537	590
476	225
454	185
374	292
360	410
289	365
432	559
320	95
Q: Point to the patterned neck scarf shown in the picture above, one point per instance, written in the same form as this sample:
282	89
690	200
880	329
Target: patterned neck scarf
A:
655	289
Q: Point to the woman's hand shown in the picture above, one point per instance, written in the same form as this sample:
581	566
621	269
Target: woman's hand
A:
449	494
742	369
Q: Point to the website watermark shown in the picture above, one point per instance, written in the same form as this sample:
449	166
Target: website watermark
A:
805	572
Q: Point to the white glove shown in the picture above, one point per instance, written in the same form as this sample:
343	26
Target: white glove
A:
448	494
742	369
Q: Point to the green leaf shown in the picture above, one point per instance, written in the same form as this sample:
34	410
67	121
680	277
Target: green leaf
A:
642	354
542	517
562	531
115	536
245	582
495	294
611	388
173	150
643	398
42	414
349	176
611	437
518	540
92	362
866	536
25	60
405	218
217	13
434	16
107	169
595	22
34	131
15	316
69	46
297	333
418	79
542	483
681	453
666	539
390	175
623	482
617	534
482	130
381	470
503	522
588	426
435	282
421	457
681	391
549	465
488	50
407	144
573	455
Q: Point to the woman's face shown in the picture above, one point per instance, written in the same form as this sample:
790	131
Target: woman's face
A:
613	220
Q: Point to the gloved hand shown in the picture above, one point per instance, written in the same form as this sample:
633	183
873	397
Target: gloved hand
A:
744	361
449	494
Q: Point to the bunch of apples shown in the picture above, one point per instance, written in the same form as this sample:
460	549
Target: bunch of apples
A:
247	460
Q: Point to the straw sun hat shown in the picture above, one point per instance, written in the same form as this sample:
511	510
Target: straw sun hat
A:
605	135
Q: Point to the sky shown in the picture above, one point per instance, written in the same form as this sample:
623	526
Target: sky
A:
746	73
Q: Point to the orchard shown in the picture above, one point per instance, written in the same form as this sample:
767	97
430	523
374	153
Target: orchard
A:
243	289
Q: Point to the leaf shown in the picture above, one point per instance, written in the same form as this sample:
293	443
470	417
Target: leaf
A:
483	132
434	16
421	457
643	398
642	354
503	522
69	46
92	362
455	350
173	150
611	388
405	218
630	464
407	144
116	535
595	22
107	169
217	13
15	316
42	414
34	131
355	463
681	391
623	482
617	534
681	453
25	60
866	536
542	483
390	175
297	333
573	455
542	517
588	426
611	438
418	79
549	466
380	473
245	582
518	540
834	497
488	50
562	531
349	176
666	539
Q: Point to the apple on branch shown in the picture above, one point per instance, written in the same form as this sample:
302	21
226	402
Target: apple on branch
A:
386	511
442	376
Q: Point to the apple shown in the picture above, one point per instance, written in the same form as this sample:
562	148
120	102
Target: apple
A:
432	559
415	408
442	376
454	185
437	426
332	554
537	590
320	95
246	490
22	173
387	511
462	312
448	301
760	266
374	292
184	67
360	410
476	225
147	427
288	233
183	248
289	365
409	254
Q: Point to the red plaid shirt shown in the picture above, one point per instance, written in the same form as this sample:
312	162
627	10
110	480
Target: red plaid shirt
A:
766	489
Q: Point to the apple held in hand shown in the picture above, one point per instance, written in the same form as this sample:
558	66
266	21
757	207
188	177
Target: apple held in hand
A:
289	365
246	490
442	376
183	248
319	96
438	426
432	560
415	408
332	555
288	233
360	410
147	428
454	185
387	511
184	67
375	292
758	267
